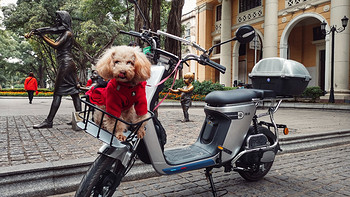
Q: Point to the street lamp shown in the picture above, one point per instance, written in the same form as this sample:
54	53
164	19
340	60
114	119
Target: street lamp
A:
332	30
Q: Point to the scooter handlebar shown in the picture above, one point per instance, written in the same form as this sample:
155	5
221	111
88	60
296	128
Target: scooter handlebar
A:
131	33
206	61
217	66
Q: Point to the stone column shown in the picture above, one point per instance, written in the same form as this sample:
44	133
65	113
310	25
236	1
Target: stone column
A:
339	9
225	54
270	29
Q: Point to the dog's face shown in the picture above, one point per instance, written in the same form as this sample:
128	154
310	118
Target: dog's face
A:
125	64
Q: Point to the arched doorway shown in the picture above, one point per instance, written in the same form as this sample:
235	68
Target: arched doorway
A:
303	41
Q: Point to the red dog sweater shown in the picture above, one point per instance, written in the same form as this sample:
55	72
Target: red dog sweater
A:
119	96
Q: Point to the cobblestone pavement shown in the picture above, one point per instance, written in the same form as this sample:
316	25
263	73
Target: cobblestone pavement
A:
21	144
322	172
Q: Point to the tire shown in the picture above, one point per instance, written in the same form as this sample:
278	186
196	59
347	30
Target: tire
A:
257	170
102	178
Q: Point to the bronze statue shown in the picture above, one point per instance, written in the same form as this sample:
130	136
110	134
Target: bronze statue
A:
66	80
186	94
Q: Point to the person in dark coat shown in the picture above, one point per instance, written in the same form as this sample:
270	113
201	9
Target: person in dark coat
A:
66	80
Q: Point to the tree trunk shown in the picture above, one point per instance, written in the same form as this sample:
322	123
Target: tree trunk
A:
174	27
155	25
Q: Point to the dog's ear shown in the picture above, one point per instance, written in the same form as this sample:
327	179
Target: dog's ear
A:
142	67
105	64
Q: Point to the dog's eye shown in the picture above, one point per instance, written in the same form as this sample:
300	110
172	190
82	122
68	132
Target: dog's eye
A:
117	62
130	62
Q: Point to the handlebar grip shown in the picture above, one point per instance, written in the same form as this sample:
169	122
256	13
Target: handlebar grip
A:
217	66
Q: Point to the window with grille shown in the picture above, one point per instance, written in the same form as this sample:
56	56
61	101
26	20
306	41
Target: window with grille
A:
245	5
218	13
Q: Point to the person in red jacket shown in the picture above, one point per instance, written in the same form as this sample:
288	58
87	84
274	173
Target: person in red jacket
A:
31	86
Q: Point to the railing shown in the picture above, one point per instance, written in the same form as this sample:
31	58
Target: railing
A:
250	14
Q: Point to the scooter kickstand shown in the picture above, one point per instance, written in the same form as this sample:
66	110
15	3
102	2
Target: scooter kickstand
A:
209	176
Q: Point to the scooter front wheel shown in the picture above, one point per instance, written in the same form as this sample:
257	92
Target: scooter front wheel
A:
102	178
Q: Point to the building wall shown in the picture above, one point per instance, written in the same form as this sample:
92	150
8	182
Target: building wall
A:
295	23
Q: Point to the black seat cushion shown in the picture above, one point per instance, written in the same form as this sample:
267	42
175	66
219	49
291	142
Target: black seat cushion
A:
220	98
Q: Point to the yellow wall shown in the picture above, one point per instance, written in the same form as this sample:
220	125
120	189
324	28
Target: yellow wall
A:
300	39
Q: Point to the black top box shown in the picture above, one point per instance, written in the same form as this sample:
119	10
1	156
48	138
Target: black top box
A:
285	77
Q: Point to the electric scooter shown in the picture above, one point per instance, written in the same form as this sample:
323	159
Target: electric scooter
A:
231	137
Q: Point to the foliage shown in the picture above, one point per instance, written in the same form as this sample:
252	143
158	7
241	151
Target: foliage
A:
313	93
178	96
200	88
15	58
95	25
205	87
22	92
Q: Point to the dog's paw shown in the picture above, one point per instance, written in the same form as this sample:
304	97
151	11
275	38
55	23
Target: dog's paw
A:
120	136
141	133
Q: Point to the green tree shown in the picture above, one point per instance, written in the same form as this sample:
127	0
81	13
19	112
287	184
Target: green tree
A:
16	57
95	24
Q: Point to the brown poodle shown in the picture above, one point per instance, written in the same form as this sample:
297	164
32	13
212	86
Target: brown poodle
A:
127	68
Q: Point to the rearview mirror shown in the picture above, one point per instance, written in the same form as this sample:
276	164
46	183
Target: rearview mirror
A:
245	34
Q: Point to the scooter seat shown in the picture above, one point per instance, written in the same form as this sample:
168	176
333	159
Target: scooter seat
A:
220	98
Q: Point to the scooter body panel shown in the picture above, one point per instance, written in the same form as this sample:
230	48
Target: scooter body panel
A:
240	116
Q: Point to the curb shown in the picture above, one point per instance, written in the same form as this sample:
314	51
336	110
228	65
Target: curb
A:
50	178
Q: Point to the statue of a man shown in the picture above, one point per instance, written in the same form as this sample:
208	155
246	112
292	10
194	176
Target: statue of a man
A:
66	80
186	94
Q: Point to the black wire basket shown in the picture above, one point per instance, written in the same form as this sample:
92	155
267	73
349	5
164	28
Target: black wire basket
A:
86	122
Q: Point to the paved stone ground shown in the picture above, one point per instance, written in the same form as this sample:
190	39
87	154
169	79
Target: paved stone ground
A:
322	172
21	144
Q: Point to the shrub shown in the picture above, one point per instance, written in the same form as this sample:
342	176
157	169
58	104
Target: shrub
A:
313	93
200	89
22	92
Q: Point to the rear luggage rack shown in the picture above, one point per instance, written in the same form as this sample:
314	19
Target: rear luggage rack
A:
87	123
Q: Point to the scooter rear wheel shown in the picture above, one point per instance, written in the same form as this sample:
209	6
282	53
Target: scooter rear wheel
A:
257	173
256	169
102	178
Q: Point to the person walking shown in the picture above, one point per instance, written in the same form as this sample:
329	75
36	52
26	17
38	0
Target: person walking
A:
31	86
66	80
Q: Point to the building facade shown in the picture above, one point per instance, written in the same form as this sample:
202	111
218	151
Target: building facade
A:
284	28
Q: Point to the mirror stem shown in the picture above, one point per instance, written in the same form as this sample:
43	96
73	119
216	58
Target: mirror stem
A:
219	44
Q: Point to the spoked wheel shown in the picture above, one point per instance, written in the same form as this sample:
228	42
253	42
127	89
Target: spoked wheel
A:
256	170
102	179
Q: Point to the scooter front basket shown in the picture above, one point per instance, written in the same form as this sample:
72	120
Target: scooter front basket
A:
86	122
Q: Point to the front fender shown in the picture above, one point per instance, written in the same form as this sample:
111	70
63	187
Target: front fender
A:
120	153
